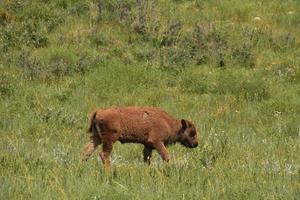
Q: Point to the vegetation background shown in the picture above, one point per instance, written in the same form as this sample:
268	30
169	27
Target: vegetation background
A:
232	67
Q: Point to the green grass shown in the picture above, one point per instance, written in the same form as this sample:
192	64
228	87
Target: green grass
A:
232	67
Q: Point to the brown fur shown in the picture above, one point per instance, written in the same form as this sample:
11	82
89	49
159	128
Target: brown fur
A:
152	127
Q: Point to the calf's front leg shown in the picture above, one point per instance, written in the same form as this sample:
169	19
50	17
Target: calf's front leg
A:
147	154
162	150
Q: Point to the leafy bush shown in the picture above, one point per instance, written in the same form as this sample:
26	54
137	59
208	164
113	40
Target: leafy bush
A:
197	83
288	70
8	82
244	56
57	62
284	104
29	27
216	147
243	84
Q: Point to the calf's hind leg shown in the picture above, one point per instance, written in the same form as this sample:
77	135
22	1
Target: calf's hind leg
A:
107	147
90	147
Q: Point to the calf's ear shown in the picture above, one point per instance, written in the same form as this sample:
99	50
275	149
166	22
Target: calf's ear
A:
184	124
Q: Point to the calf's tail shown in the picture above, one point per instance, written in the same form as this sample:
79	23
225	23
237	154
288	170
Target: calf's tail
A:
92	122
95	125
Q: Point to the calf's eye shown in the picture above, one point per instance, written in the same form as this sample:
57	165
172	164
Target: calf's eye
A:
193	134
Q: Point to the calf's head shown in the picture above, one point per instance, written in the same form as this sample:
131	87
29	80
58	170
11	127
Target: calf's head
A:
187	134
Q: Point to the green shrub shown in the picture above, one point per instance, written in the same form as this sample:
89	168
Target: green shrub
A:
290	126
285	104
56	62
99	39
30	25
144	52
260	37
243	84
287	70
216	147
8	81
193	82
209	43
243	56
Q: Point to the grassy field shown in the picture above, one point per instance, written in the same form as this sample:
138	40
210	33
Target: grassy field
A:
232	67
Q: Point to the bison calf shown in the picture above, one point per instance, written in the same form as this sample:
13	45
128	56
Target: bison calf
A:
152	127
